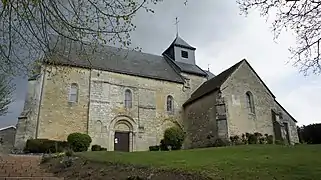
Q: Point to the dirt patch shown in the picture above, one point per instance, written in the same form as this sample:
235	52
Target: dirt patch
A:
84	169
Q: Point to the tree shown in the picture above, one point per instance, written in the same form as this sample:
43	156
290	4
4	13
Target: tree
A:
6	90
303	17
26	26
310	134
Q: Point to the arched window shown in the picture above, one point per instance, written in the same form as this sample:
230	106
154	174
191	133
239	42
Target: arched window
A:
250	102
128	99
73	93
170	104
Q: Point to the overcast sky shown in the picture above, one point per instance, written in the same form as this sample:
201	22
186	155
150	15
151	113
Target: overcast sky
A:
222	38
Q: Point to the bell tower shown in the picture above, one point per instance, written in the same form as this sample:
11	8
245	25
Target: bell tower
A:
180	50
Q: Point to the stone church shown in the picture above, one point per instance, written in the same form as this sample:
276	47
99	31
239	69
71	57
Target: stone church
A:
126	99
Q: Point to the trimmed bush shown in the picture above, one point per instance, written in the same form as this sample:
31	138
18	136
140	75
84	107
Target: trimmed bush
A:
45	146
95	147
174	137
154	148
79	142
163	146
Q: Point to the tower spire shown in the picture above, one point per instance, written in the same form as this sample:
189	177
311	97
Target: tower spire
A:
176	23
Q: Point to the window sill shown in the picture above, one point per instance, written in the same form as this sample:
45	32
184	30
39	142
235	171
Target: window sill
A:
72	103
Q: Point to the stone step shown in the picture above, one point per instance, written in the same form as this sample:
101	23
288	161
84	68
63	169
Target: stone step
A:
29	178
23	167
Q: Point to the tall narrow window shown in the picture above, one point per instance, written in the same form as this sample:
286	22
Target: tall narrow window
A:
250	102
170	104
128	99
73	93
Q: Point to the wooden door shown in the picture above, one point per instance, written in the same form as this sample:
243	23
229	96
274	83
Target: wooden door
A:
121	141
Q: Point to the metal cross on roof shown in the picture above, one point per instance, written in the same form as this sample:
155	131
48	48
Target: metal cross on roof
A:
176	23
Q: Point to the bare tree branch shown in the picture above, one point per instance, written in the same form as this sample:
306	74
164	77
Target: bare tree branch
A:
26	26
303	17
6	90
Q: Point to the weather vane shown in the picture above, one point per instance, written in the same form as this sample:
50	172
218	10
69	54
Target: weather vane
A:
176	23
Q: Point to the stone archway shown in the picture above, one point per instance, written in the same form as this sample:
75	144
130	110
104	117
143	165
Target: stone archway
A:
122	134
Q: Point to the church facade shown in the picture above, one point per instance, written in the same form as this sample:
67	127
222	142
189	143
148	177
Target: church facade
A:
126	99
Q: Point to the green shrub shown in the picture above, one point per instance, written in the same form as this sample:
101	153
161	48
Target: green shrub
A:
95	147
262	140
79	142
252	139
154	148
236	140
269	139
163	146
244	139
45	146
174	137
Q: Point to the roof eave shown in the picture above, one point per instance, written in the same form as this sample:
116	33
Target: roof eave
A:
187	47
121	72
286	111
193	100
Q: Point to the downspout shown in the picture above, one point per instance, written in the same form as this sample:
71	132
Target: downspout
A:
40	100
88	109
138	120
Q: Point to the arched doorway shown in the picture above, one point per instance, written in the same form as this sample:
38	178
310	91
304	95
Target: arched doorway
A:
122	136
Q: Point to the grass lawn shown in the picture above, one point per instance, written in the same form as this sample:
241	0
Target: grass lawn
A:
238	162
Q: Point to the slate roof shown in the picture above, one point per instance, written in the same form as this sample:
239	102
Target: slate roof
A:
216	82
212	84
115	60
190	68
181	43
209	74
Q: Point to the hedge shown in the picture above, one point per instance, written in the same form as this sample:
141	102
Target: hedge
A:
45	146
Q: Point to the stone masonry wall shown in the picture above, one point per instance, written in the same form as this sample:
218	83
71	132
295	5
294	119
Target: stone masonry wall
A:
200	122
58	118
285	118
148	117
101	105
27	122
195	82
239	118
